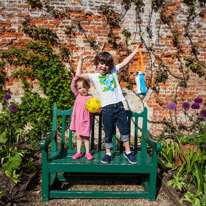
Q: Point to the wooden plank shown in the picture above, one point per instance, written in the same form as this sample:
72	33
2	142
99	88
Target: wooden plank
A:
114	139
70	136
136	135
144	131
100	133
118	160
101	177
92	134
63	131
98	194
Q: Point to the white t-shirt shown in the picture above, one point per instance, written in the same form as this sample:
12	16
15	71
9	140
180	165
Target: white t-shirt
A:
108	86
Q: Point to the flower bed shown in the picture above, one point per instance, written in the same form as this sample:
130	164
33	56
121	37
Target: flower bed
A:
188	177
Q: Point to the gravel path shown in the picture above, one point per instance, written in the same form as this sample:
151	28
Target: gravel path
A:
162	198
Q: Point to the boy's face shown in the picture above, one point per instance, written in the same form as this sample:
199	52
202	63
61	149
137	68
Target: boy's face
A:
81	88
102	68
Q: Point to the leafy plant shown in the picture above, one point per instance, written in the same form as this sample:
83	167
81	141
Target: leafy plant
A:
29	165
190	176
10	155
178	182
190	197
1	195
167	154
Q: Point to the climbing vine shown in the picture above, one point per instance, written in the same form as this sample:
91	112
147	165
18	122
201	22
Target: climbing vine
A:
2	79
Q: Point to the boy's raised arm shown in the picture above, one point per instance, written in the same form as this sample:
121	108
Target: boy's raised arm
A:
129	58
79	66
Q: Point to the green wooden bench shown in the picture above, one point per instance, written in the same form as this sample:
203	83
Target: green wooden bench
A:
58	165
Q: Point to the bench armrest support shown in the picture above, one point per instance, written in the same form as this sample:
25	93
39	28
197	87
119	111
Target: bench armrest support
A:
155	145
45	142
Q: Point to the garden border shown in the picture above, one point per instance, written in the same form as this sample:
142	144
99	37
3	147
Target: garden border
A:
169	190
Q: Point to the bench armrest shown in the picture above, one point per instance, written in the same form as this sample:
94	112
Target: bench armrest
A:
155	145
45	142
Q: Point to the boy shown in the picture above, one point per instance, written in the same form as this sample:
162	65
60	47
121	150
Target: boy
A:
106	83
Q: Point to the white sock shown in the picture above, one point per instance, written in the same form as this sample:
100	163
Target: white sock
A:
128	152
109	154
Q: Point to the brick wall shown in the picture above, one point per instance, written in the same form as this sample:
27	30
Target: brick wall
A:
13	13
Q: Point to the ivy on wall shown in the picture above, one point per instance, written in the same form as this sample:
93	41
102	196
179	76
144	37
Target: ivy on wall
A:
38	62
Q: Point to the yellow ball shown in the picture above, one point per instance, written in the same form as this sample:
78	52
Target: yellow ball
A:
93	105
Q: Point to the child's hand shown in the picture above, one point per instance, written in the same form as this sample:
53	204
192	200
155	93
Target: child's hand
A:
81	53
139	46
76	78
99	111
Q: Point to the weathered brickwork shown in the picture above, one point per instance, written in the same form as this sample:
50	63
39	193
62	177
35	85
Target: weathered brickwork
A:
151	29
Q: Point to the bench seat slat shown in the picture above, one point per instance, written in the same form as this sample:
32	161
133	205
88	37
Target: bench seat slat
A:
119	164
66	157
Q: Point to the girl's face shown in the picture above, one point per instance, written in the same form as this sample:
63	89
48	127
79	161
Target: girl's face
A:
81	88
102	68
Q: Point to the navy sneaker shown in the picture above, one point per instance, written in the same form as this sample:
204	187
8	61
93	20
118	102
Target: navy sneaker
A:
106	159
130	158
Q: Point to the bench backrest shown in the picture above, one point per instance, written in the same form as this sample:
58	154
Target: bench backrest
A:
137	123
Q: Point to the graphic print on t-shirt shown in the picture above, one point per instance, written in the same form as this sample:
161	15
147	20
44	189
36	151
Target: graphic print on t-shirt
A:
107	82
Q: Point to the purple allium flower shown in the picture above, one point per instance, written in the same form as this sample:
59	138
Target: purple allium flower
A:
172	105
203	113
186	105
205	146
198	100
13	108
195	106
7	96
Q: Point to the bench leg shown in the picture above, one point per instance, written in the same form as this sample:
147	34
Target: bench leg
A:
152	186
45	185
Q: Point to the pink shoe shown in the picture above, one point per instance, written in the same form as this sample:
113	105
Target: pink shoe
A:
77	156
89	156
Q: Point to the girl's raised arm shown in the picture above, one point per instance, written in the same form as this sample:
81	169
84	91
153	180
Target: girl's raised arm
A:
73	86
80	64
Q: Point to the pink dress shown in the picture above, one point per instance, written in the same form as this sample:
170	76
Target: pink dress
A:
82	119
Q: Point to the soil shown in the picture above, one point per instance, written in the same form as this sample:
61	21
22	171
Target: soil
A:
22	192
28	192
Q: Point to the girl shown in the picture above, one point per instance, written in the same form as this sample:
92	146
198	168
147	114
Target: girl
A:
81	121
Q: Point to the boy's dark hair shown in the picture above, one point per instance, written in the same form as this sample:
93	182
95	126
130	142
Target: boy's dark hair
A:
85	83
106	58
